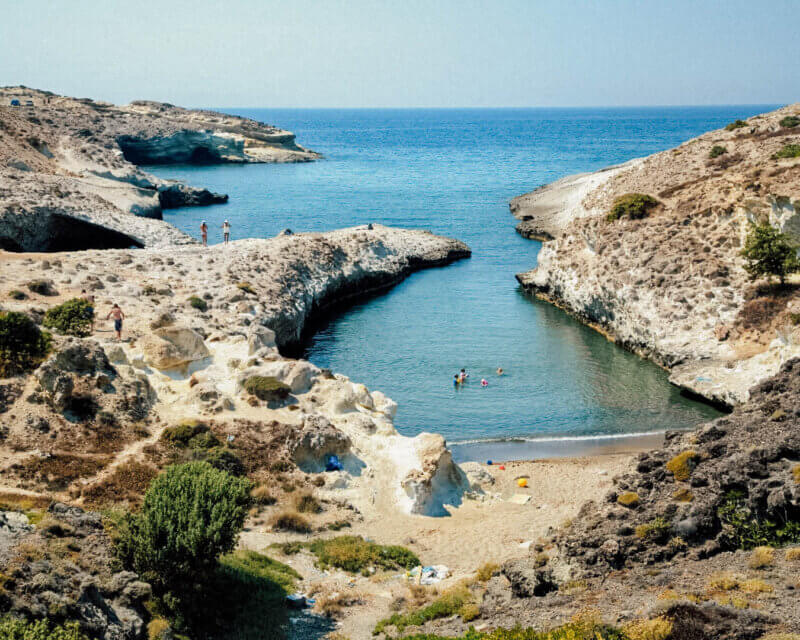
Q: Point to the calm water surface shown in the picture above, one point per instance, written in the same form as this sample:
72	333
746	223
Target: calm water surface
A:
453	171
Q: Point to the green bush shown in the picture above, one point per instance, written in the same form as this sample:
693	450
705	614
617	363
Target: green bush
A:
22	345
42	287
354	554
657	530
192	513
632	205
73	317
16	294
717	151
223	459
15	629
744	529
181	434
736	124
450	603
266	388
198	303
768	252
788	151
789	122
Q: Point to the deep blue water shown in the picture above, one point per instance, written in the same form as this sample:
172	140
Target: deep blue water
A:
454	171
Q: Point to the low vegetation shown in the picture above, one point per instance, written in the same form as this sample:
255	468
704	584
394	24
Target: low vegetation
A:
22	344
657	530
42	287
486	571
266	388
632	205
790	122
788	151
628	499
291	521
246	287
308	503
198	303
199	443
682	495
761	558
744	529
455	601
682	465
354	554
72	318
717	151
16	294
581	628
736	124
16	629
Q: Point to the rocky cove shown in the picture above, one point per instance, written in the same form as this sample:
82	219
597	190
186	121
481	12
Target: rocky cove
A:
96	421
672	287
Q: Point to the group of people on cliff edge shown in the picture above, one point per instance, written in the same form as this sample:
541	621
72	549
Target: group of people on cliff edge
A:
226	232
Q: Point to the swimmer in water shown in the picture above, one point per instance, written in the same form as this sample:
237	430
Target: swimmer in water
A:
463	375
484	382
456	380
499	371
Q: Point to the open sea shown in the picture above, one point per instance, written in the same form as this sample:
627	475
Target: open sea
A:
566	389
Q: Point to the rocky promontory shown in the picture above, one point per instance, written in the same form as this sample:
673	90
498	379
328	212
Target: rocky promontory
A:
671	286
68	167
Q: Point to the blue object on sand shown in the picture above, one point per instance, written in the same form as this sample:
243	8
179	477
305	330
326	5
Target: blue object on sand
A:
332	463
489	462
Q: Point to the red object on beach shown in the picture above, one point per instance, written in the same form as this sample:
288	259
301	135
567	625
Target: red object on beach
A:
502	467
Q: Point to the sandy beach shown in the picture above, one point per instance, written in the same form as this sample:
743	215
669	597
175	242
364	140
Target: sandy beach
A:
490	528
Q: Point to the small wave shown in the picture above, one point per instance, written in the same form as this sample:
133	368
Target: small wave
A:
518	439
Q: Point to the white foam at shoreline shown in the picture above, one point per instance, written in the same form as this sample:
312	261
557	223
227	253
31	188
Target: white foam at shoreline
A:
602	436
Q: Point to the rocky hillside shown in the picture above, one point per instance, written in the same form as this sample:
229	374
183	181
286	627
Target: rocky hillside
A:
671	286
68	175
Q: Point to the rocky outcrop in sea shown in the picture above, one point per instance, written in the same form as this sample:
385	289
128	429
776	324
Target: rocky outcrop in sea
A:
68	168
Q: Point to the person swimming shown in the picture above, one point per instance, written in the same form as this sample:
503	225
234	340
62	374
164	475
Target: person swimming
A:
499	371
463	375
484	382
456	380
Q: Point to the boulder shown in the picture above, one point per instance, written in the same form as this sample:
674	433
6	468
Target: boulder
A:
163	318
527	580
318	438
171	347
437	482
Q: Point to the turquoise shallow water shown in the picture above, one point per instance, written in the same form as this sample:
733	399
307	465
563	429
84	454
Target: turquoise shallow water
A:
566	389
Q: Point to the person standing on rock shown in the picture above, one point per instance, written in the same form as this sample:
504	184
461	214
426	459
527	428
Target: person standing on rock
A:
204	232
118	316
226	231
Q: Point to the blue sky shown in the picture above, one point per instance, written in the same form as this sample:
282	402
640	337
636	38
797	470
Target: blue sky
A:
406	53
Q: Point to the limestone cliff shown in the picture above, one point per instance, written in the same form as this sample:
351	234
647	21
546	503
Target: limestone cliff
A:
201	323
671	286
68	175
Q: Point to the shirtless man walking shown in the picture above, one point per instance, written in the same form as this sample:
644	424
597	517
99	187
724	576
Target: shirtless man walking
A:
118	316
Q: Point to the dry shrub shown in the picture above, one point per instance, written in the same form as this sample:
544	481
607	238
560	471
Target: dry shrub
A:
628	499
682	465
13	501
762	557
682	495
307	503
59	470
655	629
759	312
335	604
291	521
263	495
486	571
127	483
793	555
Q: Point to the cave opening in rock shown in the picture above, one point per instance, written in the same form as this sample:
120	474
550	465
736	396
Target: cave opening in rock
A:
71	234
